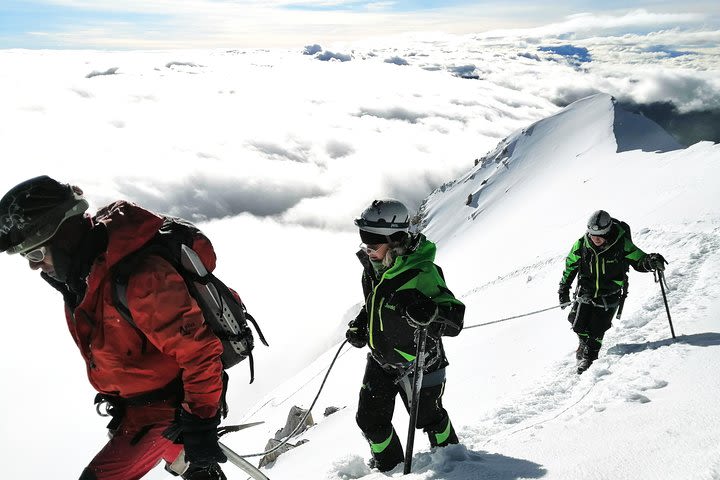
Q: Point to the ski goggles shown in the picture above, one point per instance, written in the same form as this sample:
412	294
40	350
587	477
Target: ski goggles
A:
370	248
36	255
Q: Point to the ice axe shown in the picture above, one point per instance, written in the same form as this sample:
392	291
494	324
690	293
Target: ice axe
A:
421	315
180	465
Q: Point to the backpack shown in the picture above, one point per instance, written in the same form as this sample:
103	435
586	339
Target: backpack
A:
190	252
625	227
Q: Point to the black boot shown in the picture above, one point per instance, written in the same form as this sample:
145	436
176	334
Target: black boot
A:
589	356
580	349
386	454
442	434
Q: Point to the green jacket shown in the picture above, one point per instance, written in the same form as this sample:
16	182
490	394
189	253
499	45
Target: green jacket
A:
390	338
602	271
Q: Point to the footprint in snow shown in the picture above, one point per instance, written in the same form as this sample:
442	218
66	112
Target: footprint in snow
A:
350	467
636	397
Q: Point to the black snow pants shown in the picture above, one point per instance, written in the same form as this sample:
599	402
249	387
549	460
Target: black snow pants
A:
377	404
590	322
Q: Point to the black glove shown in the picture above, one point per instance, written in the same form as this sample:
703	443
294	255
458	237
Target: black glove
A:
357	334
200	438
564	295
208	472
436	330
654	261
421	314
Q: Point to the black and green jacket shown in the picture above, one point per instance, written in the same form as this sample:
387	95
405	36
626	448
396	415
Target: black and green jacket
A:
390	338
602	271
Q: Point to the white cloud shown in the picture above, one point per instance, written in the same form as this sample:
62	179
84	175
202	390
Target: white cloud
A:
592	22
277	133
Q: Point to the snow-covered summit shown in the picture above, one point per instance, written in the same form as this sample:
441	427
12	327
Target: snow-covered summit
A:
550	175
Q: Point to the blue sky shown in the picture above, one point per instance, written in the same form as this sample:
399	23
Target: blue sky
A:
125	24
18	17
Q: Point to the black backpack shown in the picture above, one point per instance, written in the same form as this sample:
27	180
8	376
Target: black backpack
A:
625	227
223	310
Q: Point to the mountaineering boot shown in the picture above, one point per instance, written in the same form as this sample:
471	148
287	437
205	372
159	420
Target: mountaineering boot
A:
442	434
386	454
583	365
589	356
581	349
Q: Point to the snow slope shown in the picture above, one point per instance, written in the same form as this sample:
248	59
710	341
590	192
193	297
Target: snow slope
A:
646	409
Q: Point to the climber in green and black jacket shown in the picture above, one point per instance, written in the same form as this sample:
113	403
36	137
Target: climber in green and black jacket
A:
600	259
399	271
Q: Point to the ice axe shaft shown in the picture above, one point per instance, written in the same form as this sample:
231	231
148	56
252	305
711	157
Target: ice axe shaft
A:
661	279
417	385
241	463
422	315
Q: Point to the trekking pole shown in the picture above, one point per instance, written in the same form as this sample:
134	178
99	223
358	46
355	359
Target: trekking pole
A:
660	277
417	385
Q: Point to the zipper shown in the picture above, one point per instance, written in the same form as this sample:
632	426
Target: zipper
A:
398	265
597	269
372	312
380	314
597	262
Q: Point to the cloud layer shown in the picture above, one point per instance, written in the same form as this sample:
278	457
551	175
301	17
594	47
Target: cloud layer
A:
310	137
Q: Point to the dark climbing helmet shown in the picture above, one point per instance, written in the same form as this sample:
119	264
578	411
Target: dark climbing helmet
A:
599	223
31	213
383	220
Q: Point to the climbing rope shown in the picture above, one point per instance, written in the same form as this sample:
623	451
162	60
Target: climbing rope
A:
337	354
517	316
302	421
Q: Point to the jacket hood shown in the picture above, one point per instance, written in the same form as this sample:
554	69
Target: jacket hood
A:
129	227
422	251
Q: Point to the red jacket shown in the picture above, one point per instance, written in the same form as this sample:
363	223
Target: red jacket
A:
178	341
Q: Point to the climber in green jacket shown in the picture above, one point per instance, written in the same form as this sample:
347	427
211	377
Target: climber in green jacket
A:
600	259
399	272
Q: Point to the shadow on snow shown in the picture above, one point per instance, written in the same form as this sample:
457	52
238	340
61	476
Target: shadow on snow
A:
708	339
457	462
